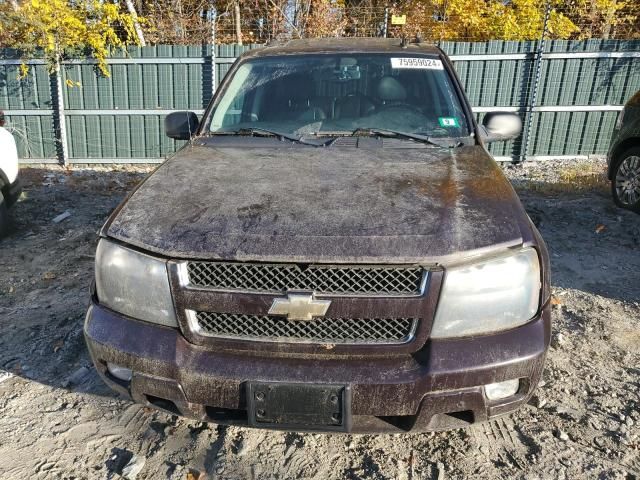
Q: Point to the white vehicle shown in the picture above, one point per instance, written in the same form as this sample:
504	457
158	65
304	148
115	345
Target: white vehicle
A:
10	186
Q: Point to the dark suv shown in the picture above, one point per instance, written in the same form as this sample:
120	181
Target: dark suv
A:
333	250
624	157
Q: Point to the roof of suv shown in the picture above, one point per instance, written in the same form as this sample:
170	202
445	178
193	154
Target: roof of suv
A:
343	45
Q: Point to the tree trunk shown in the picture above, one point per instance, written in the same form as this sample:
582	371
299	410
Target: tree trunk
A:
611	12
593	15
136	24
178	4
236	7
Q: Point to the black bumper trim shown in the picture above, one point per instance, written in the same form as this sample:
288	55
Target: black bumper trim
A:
12	192
440	388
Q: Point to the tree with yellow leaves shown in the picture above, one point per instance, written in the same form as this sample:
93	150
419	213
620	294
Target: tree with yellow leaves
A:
601	18
61	27
480	20
325	18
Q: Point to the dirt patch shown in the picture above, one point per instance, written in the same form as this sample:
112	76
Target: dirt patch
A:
59	421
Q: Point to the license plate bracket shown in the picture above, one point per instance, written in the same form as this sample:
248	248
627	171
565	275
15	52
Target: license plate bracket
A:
299	406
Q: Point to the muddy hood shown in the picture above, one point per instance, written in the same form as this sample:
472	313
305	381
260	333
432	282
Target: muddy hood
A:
425	205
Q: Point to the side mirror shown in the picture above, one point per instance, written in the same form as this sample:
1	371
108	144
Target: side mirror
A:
181	125
500	126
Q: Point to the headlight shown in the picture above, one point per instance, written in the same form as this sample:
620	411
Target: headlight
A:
489	296
134	284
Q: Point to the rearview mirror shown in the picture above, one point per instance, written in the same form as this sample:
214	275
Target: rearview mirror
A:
500	126
181	125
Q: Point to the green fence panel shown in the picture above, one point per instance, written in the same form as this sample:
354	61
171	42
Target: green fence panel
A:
119	118
34	132
34	136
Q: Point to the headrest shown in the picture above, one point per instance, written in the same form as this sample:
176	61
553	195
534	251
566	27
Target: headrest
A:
297	86
391	90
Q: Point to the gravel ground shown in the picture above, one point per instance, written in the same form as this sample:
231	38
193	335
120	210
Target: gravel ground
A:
58	421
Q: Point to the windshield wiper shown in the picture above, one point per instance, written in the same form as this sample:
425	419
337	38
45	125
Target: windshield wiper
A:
263	132
382	132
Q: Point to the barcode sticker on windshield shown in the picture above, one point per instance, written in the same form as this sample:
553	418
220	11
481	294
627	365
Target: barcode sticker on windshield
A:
423	63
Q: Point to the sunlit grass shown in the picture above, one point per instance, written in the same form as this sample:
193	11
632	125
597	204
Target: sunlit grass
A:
569	178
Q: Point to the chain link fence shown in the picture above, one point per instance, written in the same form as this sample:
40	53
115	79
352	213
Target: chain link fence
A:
260	21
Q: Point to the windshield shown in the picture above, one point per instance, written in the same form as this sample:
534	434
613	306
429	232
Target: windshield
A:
340	94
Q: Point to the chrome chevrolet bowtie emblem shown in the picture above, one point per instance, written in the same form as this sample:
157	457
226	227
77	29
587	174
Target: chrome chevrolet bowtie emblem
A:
299	306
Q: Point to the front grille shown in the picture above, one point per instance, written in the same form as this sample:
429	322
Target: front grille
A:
279	278
322	330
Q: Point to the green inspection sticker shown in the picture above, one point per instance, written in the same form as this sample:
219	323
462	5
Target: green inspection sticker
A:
448	122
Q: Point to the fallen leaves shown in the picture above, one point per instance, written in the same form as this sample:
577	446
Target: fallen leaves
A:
555	300
49	276
195	475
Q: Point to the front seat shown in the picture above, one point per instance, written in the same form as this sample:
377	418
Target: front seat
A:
353	106
391	92
293	99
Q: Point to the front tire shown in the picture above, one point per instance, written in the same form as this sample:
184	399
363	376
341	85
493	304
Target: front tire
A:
625	182
4	217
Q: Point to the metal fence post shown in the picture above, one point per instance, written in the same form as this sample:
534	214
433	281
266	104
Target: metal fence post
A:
526	138
213	13
60	124
386	22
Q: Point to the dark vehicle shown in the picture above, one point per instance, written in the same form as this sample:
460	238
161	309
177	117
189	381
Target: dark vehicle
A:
334	250
624	157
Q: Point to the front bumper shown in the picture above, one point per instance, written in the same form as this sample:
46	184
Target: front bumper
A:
437	388
12	192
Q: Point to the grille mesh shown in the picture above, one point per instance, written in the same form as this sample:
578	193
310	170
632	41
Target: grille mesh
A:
328	330
323	279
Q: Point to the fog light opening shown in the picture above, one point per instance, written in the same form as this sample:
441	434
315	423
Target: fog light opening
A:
121	373
163	404
501	390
